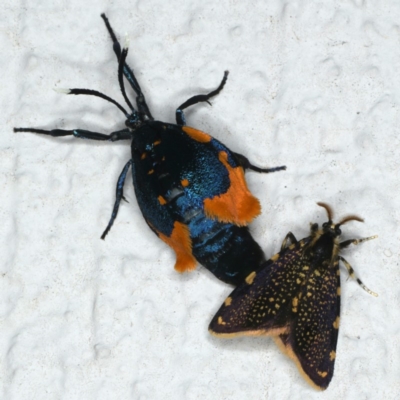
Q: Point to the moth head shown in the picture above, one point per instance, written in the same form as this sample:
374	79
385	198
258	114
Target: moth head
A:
330	227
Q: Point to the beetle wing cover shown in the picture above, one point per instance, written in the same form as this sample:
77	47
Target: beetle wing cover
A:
223	188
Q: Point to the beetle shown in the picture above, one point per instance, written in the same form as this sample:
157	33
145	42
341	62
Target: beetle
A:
189	186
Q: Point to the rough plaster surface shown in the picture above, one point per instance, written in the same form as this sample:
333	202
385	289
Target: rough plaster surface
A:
313	85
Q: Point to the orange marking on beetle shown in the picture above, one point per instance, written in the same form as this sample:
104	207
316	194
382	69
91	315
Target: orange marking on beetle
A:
199	136
157	142
182	245
150	172
162	200
143	156
237	205
184	182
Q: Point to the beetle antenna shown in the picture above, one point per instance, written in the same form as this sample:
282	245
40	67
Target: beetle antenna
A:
128	72
92	93
121	64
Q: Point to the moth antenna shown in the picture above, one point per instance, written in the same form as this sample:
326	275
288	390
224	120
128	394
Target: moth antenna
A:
328	209
350	218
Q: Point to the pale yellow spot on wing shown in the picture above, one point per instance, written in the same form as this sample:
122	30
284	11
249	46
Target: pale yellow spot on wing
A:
221	321
336	323
295	303
250	278
228	301
338	291
332	355
261	332
322	373
275	257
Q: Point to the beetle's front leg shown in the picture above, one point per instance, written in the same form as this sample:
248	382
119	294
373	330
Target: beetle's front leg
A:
124	134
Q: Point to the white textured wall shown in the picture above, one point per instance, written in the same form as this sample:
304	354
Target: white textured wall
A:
313	86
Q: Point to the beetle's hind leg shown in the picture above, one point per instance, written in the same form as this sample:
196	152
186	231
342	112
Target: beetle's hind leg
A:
180	116
119	195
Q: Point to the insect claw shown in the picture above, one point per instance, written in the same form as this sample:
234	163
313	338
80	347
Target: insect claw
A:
127	41
62	90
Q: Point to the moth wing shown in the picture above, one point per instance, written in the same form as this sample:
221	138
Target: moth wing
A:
262	304
312	336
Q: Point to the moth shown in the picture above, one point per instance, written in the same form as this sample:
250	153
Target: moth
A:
295	297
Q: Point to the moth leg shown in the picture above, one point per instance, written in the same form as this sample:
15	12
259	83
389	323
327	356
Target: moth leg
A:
118	196
288	238
124	134
180	116
313	227
347	243
246	164
353	275
128	73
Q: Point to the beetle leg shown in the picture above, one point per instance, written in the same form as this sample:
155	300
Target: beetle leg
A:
246	164
180	116
124	134
119	194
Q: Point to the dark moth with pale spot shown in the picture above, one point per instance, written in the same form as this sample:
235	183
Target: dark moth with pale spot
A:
295	297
